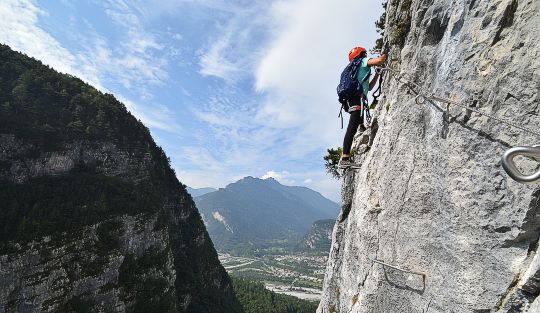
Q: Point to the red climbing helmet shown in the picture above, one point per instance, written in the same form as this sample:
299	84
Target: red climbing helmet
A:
355	52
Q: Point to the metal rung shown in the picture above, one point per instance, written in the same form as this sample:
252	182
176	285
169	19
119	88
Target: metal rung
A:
400	269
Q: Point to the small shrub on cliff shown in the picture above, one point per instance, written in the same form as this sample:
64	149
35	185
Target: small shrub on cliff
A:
331	162
379	26
400	27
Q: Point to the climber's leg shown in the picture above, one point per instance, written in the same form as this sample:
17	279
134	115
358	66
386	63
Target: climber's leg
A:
355	120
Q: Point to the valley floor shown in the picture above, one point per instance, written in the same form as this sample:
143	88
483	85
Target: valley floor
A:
298	275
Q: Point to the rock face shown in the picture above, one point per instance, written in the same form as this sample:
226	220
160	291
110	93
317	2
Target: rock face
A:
431	196
92	217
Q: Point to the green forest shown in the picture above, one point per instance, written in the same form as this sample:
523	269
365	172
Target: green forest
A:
257	299
46	205
49	111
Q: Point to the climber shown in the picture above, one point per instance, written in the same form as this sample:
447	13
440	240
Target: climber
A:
356	120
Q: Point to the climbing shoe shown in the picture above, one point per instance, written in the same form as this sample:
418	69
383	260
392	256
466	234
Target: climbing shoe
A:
361	129
345	163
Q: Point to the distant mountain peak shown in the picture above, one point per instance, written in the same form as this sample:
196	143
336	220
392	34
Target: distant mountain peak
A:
272	180
251	180
261	212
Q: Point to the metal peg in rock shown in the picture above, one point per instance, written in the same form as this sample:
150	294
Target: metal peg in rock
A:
420	99
510	166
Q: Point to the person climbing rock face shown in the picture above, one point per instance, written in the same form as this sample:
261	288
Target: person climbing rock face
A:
358	55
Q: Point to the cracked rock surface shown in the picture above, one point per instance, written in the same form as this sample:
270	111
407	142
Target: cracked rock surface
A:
431	196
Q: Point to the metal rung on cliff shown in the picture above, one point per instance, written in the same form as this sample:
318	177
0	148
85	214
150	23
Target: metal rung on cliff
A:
401	270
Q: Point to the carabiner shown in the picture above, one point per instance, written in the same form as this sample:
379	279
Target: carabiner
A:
511	169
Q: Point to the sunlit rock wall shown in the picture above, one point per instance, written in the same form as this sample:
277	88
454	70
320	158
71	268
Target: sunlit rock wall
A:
431	196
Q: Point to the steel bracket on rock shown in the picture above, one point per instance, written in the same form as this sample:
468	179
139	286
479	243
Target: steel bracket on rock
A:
401	270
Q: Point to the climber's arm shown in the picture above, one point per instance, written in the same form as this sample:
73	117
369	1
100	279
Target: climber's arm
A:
377	61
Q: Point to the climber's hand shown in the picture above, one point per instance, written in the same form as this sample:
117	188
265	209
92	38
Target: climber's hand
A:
377	61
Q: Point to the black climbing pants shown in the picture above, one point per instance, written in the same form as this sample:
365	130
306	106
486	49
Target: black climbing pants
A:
354	121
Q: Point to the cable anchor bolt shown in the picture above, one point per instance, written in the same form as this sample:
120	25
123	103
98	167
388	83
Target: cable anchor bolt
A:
420	99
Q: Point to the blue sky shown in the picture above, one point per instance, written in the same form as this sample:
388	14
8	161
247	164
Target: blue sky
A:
227	88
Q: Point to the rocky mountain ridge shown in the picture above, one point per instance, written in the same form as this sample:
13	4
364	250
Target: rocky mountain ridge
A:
431	200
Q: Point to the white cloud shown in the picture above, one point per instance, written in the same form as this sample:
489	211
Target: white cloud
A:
295	71
201	158
232	53
19	29
213	63
318	181
330	188
158	8
283	177
136	67
303	62
134	60
204	178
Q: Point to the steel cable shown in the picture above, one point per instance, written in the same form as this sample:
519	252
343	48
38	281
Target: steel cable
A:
423	94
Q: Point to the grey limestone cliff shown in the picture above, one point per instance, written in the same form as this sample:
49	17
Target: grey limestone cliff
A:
431	196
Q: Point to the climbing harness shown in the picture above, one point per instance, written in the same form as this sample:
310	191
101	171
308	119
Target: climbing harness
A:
423	95
365	111
401	270
510	167
364	106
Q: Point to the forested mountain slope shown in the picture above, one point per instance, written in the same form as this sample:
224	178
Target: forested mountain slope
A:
92	217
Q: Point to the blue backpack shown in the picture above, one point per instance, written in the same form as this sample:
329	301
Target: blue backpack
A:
349	86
